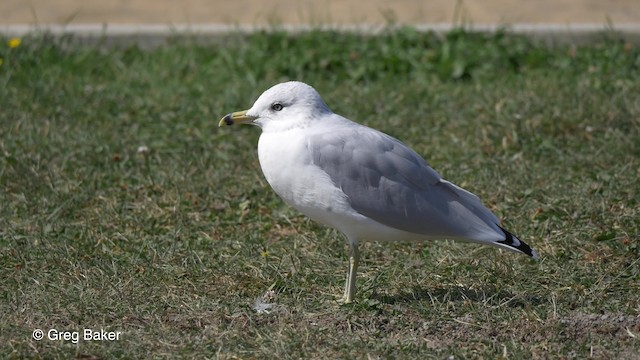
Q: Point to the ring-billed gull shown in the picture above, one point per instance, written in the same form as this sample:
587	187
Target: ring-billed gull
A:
366	184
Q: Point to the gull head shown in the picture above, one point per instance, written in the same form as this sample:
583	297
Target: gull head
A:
283	106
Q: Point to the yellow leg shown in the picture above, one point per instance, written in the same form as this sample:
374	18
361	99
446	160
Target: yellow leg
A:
350	285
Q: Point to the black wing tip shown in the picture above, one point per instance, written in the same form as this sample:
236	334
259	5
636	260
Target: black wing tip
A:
513	242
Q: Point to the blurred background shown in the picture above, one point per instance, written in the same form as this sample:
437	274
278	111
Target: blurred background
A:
257	12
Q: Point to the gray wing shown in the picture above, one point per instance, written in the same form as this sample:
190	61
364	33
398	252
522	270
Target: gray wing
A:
391	184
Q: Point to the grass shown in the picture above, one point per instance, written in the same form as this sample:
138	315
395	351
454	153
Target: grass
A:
124	208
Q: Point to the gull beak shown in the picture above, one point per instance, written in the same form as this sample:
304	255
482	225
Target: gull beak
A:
238	117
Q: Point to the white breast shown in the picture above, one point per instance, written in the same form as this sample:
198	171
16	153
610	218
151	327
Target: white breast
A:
287	166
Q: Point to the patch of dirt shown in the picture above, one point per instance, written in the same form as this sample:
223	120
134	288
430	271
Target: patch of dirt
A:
567	335
614	325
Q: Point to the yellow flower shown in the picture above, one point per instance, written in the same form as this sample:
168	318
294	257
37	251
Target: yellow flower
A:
14	43
1	61
264	253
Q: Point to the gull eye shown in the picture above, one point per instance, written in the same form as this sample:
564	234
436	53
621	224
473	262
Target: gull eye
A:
276	106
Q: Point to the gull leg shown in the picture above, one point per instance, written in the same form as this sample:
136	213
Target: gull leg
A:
350	285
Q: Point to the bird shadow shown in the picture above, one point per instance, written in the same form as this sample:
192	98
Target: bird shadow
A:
489	295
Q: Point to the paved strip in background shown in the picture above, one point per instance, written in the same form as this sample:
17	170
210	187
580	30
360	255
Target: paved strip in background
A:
264	12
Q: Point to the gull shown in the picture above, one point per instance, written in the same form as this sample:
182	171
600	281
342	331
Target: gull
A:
360	181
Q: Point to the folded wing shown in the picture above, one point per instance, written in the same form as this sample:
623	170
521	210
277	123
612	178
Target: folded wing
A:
391	184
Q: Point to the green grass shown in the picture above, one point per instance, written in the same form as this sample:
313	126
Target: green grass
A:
172	246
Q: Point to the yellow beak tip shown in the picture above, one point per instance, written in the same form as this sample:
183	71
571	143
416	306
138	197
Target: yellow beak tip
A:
226	120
